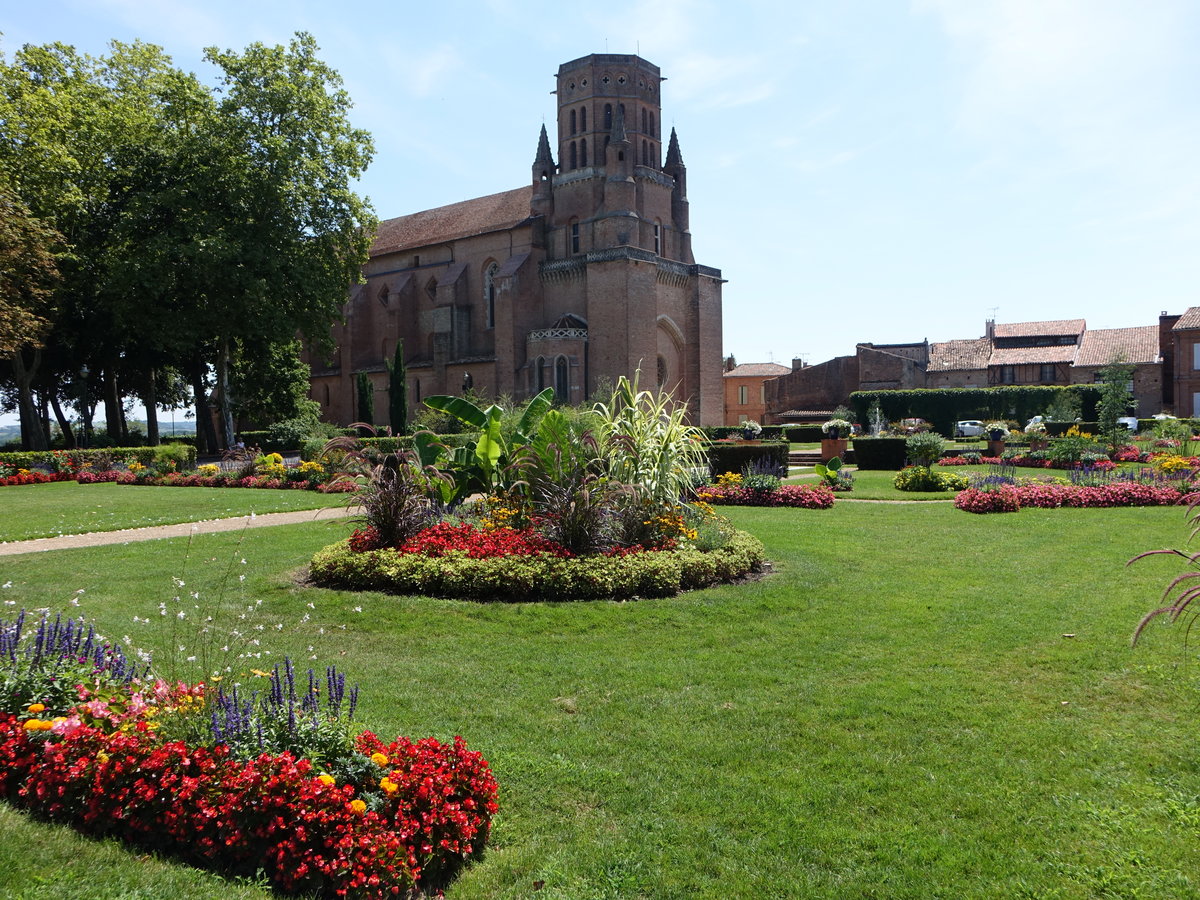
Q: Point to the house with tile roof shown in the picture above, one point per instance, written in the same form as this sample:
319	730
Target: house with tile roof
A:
746	389
582	275
1165	357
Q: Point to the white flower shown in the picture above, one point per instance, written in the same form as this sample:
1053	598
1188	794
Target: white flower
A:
279	626
181	614
6	584
241	578
358	609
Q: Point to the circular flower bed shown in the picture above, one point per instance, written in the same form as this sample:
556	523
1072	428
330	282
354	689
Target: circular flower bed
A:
534	575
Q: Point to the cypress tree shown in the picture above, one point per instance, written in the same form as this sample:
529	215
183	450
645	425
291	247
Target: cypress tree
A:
366	400
398	391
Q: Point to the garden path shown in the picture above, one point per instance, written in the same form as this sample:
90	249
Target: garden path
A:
156	532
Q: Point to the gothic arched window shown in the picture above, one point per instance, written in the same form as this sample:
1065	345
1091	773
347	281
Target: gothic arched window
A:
562	376
608	117
645	121
572	121
583	153
489	293
583	118
645	154
539	374
574	156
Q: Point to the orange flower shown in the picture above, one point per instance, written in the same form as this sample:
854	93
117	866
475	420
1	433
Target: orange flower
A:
389	786
379	759
358	806
37	707
327	779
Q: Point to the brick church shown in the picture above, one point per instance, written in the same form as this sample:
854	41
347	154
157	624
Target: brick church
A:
584	274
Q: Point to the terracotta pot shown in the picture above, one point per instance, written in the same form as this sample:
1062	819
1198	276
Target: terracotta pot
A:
831	447
995	448
1038	445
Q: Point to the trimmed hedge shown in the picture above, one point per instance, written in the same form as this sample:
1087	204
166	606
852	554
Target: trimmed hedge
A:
884	453
735	457
659	573
944	406
721	432
804	434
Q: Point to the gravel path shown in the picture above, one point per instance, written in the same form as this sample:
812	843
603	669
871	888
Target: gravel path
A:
155	532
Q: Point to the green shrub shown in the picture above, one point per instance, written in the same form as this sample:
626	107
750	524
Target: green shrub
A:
518	578
922	478
924	448
736	457
803	434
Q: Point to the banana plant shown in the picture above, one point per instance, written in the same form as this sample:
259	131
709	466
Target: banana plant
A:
828	473
483	463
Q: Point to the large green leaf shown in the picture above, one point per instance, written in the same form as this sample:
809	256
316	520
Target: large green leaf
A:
537	408
463	410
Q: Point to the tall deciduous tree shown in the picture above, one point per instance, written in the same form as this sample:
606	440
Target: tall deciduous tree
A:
299	234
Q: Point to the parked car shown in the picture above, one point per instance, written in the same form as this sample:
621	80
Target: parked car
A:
968	428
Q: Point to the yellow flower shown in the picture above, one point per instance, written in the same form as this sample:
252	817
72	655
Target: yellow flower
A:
358	806
38	725
327	779
101	756
379	759
389	786
37	707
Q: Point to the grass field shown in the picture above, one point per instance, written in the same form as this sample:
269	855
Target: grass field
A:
67	507
917	703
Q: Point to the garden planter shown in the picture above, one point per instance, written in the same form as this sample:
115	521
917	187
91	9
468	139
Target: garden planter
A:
831	447
995	448
1035	445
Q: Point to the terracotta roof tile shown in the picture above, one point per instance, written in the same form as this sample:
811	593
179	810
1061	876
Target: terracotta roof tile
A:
1190	319
1016	356
458	220
1033	329
758	370
806	414
956	356
1132	345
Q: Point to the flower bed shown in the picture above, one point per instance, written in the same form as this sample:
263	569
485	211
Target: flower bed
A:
277	782
176	479
25	476
1010	498
305	832
803	496
537	575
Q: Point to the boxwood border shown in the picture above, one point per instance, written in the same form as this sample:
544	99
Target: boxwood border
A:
510	579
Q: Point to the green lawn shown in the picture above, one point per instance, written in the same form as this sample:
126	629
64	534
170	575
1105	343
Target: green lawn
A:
918	703
66	507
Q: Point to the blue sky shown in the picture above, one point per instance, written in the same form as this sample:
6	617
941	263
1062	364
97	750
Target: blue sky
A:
860	171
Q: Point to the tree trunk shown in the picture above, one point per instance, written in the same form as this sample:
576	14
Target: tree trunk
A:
63	422
32	436
224	393
206	436
113	418
150	399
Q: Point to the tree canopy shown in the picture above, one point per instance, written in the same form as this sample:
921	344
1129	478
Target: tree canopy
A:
196	221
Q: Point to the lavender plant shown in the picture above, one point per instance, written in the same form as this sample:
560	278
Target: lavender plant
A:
312	720
45	665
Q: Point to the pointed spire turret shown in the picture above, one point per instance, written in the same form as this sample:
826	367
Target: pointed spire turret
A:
544	161
542	203
674	157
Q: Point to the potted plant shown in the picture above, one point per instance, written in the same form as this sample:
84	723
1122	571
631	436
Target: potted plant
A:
834	439
1036	433
997	432
751	430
